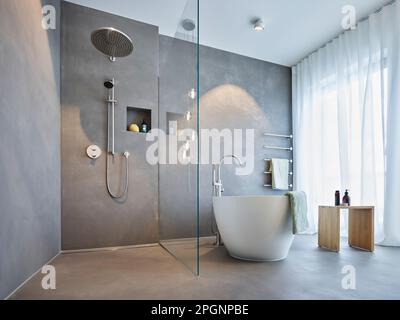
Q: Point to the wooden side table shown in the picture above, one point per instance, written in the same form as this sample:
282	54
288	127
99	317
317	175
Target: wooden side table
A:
361	227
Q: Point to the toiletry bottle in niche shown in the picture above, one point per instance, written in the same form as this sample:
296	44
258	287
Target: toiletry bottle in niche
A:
337	198
346	198
144	126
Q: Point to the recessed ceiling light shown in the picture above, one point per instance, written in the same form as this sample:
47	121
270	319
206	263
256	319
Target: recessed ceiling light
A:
259	25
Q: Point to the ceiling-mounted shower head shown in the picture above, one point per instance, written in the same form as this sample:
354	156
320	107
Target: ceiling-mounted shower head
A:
112	42
188	25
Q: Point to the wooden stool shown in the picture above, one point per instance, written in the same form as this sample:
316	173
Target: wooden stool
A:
361	228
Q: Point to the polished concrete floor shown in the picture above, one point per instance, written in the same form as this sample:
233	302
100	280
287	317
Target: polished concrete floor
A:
152	273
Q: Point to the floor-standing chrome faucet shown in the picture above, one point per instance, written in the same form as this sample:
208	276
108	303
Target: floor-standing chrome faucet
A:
218	189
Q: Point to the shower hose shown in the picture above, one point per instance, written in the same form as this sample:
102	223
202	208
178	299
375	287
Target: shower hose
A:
112	154
125	190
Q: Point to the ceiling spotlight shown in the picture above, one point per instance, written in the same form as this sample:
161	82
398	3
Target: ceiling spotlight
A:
259	25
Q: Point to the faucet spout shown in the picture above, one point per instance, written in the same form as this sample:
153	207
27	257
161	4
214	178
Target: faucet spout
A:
238	160
217	182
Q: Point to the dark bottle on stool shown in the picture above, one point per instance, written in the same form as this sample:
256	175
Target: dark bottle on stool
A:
346	198
337	198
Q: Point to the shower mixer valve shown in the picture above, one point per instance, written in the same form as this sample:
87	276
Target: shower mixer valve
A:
93	152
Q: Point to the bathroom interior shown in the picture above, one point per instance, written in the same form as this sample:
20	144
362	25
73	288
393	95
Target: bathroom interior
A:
191	149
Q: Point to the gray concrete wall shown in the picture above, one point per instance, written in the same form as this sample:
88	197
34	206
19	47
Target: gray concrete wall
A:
30	141
235	92
90	217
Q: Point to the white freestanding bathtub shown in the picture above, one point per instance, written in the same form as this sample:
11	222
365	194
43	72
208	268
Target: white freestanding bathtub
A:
256	228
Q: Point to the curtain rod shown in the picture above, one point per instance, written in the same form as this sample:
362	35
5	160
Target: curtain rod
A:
358	22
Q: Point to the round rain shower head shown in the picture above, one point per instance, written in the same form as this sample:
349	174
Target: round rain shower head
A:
112	42
188	25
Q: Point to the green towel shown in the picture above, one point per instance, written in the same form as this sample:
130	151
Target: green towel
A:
298	204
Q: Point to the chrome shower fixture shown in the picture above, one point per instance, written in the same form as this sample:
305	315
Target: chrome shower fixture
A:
111	100
188	24
109	84
112	42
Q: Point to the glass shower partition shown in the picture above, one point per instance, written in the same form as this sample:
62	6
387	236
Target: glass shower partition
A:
179	152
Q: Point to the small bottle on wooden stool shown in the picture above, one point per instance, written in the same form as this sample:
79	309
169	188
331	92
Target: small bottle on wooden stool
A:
346	198
337	198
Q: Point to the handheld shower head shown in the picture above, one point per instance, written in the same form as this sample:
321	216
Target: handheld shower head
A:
109	84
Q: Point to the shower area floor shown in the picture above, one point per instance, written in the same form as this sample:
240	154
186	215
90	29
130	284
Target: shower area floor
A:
152	273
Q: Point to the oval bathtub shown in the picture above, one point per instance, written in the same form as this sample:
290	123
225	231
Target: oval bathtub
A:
256	228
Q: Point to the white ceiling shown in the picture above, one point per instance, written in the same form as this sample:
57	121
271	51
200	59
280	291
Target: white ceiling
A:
294	28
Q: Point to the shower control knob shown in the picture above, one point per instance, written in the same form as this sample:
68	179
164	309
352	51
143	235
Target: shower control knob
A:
93	152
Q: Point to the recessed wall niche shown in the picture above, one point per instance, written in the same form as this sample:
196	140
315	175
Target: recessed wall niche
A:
136	116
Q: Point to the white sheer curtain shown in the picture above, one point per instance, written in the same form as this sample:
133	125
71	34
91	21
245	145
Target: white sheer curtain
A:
346	119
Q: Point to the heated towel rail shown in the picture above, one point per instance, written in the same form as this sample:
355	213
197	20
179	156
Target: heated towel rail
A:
279	148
